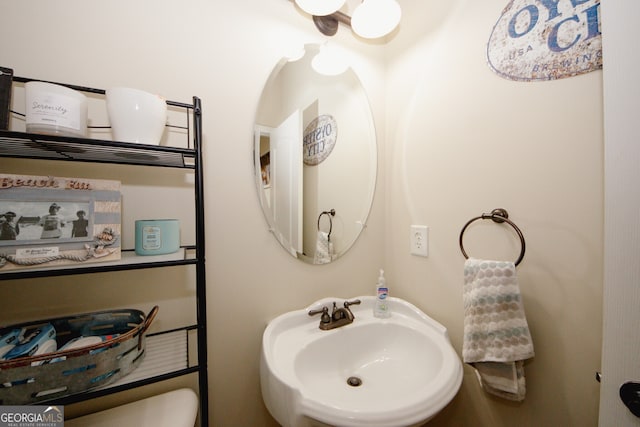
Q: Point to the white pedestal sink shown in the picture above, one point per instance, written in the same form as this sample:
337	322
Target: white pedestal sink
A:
399	371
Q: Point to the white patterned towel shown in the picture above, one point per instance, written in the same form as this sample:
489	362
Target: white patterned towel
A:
496	333
324	249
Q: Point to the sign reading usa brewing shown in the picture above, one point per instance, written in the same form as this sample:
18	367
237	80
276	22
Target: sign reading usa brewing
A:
546	39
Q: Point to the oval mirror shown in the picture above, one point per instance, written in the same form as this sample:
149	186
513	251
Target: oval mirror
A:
315	158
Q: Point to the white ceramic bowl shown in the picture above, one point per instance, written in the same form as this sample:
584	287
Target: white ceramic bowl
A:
136	116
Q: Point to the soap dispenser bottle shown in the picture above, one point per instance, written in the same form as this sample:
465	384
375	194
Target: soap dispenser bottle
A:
381	306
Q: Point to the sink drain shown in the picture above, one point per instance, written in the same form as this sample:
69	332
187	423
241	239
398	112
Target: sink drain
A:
354	381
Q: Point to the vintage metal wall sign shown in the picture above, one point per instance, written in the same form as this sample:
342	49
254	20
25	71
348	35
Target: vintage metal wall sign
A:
546	39
319	139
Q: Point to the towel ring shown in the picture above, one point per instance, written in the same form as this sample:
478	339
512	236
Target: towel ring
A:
329	214
498	216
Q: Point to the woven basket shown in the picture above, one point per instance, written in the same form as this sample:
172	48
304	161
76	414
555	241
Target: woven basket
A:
33	379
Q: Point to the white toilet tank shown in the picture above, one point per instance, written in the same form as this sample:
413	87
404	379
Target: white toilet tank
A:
177	408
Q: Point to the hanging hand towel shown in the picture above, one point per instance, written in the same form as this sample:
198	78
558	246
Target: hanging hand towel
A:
324	249
496	333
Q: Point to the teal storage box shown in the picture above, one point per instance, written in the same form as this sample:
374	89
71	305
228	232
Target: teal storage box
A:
157	236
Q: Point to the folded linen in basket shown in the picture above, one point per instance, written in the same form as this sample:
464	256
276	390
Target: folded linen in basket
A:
496	332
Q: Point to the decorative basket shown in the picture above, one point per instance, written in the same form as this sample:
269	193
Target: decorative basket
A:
31	379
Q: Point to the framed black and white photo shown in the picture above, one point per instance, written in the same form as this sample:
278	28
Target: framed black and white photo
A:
53	220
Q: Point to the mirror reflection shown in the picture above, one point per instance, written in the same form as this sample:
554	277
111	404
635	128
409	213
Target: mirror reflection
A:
315	158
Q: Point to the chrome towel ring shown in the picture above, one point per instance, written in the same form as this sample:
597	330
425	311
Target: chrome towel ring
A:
498	216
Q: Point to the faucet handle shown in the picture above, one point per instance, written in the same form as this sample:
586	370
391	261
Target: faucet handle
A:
323	310
325	318
354	302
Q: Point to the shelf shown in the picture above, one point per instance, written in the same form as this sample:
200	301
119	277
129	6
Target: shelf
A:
129	261
165	353
53	147
166	356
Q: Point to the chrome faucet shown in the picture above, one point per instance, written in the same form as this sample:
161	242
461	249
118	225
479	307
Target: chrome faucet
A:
339	316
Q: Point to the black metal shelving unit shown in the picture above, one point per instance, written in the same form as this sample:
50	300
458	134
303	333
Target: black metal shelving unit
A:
52	147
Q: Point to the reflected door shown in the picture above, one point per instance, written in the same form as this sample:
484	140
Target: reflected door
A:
286	170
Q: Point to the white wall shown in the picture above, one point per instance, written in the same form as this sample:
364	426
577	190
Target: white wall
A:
222	51
455	140
463	141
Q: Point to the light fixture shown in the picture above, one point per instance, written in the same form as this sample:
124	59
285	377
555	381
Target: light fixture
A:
371	19
294	52
320	7
376	18
329	61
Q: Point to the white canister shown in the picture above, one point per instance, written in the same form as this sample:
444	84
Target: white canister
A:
55	109
136	116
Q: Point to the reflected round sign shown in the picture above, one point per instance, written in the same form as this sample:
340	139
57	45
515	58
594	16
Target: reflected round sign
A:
319	138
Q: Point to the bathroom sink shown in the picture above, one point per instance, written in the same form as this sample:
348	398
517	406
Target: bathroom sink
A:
399	371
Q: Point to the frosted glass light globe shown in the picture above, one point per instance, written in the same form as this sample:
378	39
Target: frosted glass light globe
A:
329	61
376	18
320	7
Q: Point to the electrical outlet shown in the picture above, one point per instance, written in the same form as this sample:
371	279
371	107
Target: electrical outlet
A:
420	240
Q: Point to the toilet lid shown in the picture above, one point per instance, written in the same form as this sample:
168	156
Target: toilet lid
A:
177	408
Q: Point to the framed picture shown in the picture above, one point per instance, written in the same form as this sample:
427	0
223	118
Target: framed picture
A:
265	169
46	221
